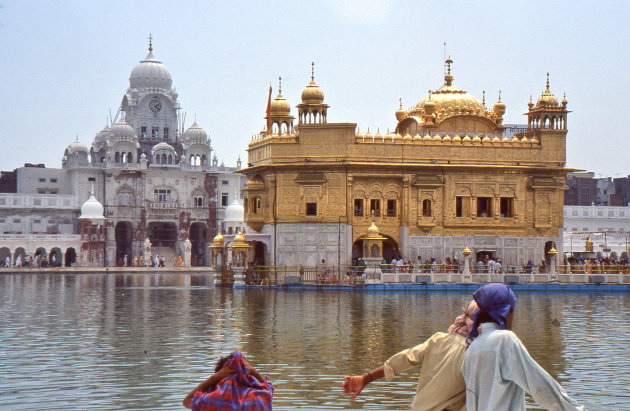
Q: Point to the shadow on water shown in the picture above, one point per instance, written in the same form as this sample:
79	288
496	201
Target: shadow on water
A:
143	341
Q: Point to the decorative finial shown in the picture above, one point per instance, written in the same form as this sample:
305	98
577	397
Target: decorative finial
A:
312	71
279	85
77	137
530	97
150	43
499	96
448	65
547	80
483	99
400	101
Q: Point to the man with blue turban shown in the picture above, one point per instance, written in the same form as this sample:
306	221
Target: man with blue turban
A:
497	368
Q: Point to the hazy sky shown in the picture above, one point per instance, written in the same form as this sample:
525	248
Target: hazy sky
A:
65	64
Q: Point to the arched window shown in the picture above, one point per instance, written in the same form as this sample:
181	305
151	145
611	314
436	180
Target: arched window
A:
274	128
197	160
117	157
129	158
123	158
170	159
426	208
284	128
163	158
204	160
192	160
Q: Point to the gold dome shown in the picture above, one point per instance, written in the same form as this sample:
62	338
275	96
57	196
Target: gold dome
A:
239	239
372	231
218	240
450	98
280	106
400	113
547	99
312	93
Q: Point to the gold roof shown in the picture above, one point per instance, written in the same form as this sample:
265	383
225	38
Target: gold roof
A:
312	94
547	99
280	106
450	98
218	240
239	240
372	231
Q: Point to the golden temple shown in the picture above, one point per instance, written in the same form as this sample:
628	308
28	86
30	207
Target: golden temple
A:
447	176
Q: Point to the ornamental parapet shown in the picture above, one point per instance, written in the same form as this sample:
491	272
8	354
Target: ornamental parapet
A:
453	139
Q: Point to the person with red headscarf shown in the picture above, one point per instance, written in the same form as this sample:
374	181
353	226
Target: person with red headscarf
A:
441	385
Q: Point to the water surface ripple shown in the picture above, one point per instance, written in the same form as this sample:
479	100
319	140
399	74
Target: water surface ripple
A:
142	341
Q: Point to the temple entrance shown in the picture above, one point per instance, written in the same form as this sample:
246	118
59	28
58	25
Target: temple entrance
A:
390	249
197	235
71	257
259	253
162	234
123	243
19	256
54	258
5	257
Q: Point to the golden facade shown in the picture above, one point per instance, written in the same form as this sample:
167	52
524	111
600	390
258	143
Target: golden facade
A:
447	175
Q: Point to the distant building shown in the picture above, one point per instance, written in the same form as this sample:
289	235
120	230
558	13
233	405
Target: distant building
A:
581	189
154	179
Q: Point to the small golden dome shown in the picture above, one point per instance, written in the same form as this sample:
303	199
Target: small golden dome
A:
407	138
358	134
496	139
218	240
486	139
437	138
447	139
534	140
372	231
476	139
427	138
400	113
368	135
378	136
515	140
312	94
466	139
417	138
397	137
547	99
466	251
505	139
239	239
457	139
280	106
524	140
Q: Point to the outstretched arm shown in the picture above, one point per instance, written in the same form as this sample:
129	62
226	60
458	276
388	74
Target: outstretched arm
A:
355	384
214	379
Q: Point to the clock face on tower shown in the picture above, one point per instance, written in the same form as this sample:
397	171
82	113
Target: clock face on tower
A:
155	105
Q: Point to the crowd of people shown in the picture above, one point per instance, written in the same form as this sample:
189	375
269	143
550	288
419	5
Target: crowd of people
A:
29	261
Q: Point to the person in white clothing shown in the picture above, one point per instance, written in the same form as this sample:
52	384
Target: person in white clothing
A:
497	368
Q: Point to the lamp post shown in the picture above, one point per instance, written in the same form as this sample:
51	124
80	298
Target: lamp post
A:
466	252
552	272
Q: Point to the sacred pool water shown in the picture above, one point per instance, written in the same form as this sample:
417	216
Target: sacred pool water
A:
142	341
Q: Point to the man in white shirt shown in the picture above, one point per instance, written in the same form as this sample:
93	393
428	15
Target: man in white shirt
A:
497	368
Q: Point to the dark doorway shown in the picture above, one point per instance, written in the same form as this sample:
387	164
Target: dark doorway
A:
123	243
259	253
162	234
71	257
198	234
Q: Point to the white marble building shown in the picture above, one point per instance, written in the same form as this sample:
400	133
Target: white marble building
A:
155	178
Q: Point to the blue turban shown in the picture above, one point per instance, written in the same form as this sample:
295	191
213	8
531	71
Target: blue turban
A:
496	300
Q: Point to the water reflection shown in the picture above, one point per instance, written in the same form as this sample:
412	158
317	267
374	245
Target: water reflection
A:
143	340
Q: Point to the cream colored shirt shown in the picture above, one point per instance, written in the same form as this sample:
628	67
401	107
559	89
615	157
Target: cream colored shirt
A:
441	385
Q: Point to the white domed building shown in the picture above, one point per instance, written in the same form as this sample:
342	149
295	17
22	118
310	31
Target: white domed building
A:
155	181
